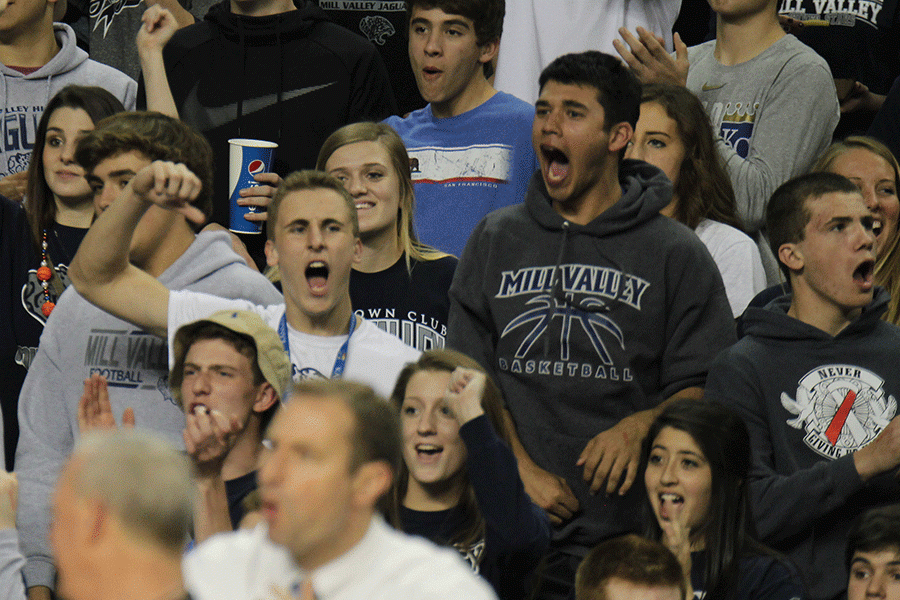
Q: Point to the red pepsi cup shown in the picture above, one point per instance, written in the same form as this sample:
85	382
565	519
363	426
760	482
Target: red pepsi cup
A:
247	158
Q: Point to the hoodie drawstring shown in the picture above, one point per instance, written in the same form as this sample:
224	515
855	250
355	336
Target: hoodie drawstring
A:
553	284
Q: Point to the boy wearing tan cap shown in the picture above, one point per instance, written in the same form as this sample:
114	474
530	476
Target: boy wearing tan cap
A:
230	372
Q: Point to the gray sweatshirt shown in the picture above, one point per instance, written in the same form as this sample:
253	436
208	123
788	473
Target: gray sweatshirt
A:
24	96
78	340
11	562
774	114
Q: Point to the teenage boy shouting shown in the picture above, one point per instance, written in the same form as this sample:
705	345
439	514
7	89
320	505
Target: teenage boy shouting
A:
313	238
589	308
815	379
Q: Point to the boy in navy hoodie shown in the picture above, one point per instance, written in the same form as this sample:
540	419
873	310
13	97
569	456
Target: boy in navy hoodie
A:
815	380
588	307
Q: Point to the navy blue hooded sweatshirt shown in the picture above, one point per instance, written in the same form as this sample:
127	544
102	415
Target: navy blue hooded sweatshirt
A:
637	313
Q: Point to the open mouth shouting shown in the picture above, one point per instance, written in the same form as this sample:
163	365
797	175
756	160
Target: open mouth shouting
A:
864	274
317	276
556	165
430	73
881	233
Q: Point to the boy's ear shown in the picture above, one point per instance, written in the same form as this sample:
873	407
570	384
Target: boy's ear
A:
619	136
791	256
271	254
489	51
265	399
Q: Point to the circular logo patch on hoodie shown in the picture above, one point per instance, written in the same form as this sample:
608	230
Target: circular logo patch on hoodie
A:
840	407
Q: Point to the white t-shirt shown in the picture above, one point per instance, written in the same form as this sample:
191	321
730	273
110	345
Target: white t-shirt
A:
374	357
737	256
537	31
385	565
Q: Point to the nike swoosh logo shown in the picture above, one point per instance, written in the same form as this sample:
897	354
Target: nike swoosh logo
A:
205	118
708	88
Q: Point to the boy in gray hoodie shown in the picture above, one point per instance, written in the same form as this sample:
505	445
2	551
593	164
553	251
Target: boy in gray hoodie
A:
80	340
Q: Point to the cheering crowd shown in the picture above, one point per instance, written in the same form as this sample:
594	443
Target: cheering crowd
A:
548	300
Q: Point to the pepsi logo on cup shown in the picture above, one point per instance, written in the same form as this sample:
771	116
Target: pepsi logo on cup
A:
247	158
256	166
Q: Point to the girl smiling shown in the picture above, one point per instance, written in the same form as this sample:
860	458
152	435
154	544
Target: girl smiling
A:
458	484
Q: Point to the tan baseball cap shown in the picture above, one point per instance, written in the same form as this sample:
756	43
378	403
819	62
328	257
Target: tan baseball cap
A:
270	355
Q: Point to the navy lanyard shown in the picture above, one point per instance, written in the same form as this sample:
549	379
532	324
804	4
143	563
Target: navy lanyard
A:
339	363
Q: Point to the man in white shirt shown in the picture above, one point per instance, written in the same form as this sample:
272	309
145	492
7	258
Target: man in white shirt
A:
331	453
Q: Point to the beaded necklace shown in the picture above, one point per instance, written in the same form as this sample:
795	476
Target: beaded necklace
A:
44	274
